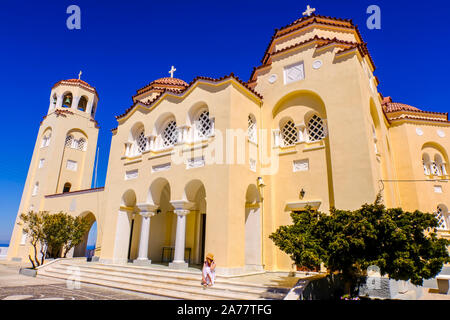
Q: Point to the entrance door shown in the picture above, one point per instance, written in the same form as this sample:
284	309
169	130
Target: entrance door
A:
202	236
131	239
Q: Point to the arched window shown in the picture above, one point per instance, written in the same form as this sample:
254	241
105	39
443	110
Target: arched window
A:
375	140
434	159
69	141
35	189
73	143
170	134
252	129
203	124
81	144
316	129
82	104
54	100
94	108
67	100
426	164
141	141
441	216
289	133
46	139
67	187
440	165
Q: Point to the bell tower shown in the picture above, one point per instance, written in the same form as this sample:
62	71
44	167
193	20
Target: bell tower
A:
64	152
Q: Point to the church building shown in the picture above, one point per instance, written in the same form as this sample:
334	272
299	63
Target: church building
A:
217	165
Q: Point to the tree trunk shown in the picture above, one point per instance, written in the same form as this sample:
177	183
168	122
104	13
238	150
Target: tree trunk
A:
35	254
348	287
43	256
32	262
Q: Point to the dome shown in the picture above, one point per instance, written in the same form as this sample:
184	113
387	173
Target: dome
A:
76	83
390	106
171	82
164	83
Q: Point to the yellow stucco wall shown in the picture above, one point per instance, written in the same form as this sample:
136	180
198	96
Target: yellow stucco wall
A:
362	154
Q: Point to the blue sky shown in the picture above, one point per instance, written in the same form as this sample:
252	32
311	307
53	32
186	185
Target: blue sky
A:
123	45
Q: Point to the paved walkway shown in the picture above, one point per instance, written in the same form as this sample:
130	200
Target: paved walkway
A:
15	286
433	294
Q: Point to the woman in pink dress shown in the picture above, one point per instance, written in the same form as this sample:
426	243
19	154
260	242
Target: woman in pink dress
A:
209	271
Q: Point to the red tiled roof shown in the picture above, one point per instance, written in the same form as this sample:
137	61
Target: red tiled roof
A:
179	91
390	106
171	81
161	84
304	22
77	83
399	111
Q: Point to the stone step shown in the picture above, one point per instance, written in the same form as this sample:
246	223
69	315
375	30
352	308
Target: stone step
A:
130	287
169	290
194	278
149	287
183	281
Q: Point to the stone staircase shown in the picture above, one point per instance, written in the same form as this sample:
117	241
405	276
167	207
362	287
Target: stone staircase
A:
159	281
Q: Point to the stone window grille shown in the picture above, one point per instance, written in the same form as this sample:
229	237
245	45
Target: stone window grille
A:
289	134
252	131
69	141
316	129
141	142
81	144
170	134
435	169
442	225
203	125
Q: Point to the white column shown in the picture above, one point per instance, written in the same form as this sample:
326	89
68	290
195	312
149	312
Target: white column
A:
75	101
152	142
276	138
143	241
180	240
300	130
127	149
59	101
213	126
122	237
89	106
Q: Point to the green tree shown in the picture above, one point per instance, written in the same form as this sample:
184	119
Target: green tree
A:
53	235
77	228
33	226
56	229
403	245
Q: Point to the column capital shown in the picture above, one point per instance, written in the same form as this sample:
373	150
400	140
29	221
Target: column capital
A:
147	209
182	204
181	212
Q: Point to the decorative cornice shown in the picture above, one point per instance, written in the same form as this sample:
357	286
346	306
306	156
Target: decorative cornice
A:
76	83
198	79
308	21
56	195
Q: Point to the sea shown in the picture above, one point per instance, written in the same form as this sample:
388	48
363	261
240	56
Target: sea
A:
88	247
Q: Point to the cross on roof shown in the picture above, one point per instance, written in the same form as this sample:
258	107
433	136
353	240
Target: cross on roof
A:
79	75
172	70
309	11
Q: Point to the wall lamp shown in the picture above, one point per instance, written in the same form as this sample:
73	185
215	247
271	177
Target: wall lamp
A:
302	193
261	182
